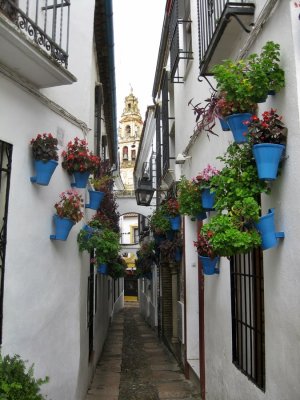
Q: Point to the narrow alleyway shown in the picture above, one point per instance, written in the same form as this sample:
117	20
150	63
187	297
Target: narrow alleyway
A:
135	365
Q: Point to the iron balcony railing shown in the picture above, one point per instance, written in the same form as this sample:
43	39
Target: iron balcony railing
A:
212	14
45	22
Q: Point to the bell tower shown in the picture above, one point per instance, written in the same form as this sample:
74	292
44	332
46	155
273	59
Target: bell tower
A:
129	135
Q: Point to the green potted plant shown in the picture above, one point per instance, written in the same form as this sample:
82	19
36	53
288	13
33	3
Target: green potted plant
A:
189	199
245	82
234	232
105	243
117	268
238	178
146	257
264	71
203	180
68	212
237	189
79	161
17	382
45	155
268	136
206	254
159	223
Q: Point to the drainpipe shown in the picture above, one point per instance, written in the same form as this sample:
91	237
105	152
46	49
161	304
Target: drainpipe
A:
174	275
111	64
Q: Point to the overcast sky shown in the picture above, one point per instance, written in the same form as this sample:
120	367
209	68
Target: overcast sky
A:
137	31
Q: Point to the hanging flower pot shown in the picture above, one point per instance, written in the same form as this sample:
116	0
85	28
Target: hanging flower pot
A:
44	171
89	231
237	126
81	179
209	265
175	222
208	199
96	198
266	228
224	125
102	269
63	227
267	157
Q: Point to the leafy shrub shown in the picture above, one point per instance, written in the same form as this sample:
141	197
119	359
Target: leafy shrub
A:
18	383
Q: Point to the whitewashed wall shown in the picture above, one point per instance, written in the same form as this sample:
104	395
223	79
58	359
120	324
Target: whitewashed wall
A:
281	266
45	294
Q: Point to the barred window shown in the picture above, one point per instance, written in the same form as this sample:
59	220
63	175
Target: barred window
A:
247	297
5	168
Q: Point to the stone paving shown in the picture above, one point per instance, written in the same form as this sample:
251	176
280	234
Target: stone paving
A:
135	365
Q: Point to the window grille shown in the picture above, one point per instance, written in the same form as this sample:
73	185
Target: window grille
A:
165	124
158	146
247	297
5	169
180	38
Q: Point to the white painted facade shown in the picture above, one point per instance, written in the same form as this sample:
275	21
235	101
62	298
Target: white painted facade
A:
277	21
46	282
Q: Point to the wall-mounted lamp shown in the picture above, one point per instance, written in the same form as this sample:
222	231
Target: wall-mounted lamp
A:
181	158
144	193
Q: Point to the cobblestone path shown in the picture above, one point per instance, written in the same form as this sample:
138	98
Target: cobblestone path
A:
135	365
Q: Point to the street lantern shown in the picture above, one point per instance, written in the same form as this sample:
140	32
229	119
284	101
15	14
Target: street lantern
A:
144	193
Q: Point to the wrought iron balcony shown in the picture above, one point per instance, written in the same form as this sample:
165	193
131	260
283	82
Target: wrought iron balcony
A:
221	24
29	25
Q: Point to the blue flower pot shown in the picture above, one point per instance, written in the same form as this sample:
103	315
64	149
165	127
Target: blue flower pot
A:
175	223
102	269
224	125
237	126
81	179
209	265
266	228
267	157
63	227
44	171
89	231
95	199
208	199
